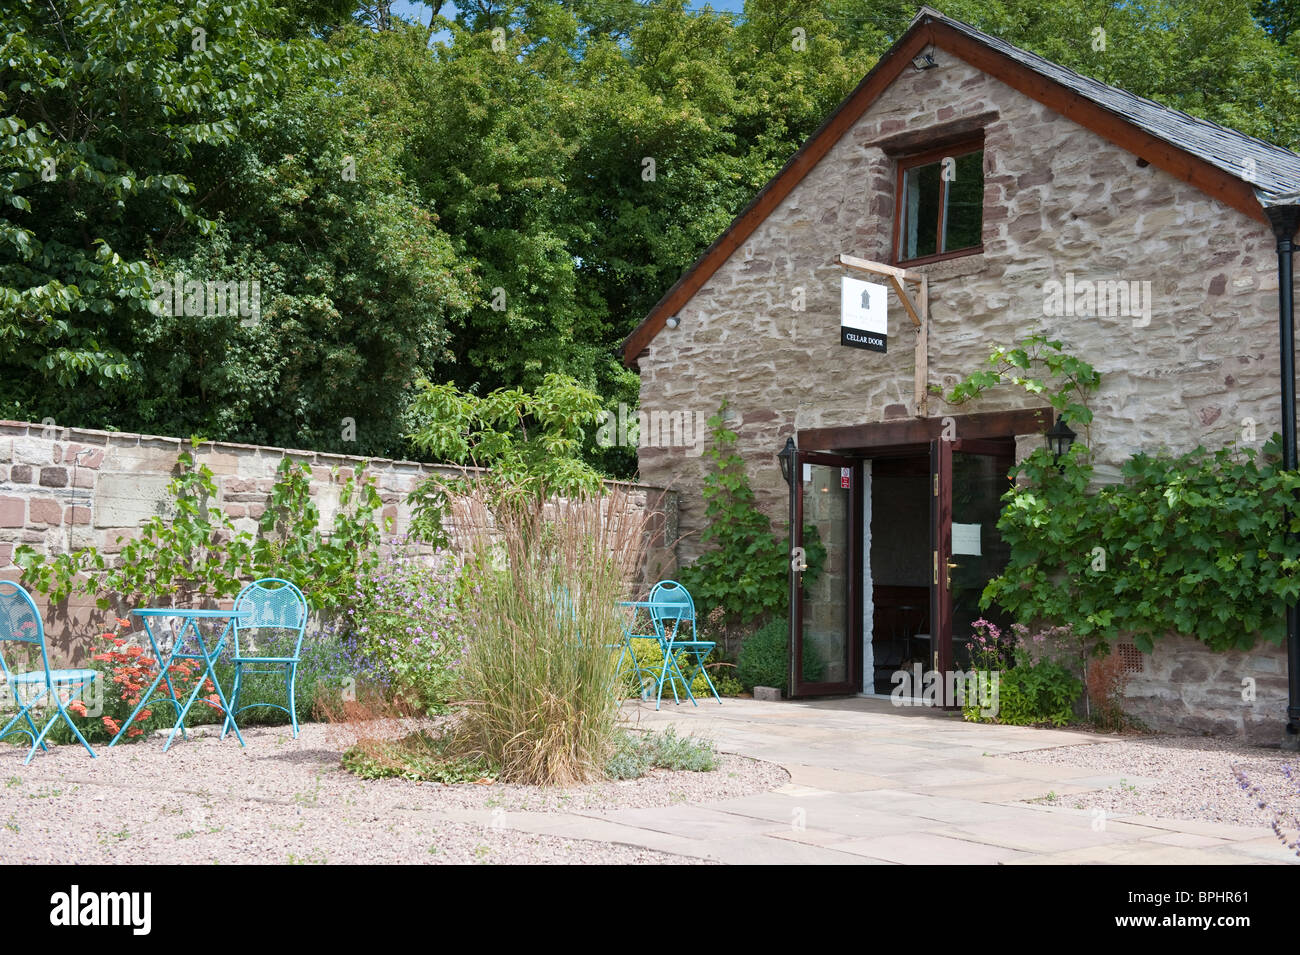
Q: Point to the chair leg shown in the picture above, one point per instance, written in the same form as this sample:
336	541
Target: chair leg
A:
292	677
233	701
68	719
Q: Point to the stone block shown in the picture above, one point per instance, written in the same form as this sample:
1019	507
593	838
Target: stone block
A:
13	512
76	515
54	477
21	473
128	500
767	694
45	510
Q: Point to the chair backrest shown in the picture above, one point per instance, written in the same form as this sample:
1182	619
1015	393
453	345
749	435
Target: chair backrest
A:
20	622
671	608
274	604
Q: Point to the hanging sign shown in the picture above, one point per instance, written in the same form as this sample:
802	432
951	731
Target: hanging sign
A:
864	309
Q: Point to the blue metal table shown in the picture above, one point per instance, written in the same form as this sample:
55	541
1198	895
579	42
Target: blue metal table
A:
190	620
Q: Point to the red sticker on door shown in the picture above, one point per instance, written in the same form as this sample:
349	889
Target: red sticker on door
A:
844	477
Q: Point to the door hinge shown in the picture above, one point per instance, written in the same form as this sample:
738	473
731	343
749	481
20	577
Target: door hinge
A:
936	485
936	568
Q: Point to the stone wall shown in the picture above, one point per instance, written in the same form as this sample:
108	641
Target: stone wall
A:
1059	200
62	489
1185	686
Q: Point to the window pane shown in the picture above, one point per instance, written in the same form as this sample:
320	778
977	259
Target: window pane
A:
964	221
921	196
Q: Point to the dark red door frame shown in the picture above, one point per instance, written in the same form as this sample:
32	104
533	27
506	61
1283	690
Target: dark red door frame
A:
853	575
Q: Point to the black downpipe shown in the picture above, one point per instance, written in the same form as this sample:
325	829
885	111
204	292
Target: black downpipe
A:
1285	220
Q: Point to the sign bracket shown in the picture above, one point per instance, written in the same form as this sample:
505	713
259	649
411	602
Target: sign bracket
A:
918	312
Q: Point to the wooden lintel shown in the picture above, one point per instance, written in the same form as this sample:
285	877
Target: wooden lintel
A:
912	431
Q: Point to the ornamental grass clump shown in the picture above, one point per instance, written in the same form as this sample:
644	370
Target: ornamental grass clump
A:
539	674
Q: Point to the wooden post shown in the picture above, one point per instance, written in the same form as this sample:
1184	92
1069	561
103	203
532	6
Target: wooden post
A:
922	379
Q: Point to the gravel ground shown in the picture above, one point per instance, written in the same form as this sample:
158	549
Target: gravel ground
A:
282	800
1181	777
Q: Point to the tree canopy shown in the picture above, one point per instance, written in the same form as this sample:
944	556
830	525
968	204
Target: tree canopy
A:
268	221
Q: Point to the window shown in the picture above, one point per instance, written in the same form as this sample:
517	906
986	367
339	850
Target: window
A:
941	203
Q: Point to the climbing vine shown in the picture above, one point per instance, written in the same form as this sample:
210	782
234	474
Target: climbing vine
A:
746	573
197	554
1199	543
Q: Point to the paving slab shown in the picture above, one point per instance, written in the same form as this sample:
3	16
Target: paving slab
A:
926	848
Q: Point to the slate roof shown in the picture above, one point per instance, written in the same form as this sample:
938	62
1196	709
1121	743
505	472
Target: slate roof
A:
1276	171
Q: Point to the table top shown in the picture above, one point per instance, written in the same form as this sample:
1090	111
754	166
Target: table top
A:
193	614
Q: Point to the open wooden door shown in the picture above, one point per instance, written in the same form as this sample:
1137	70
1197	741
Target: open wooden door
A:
826	615
968	478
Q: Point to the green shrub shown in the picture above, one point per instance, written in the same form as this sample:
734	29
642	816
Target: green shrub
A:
765	658
630	759
650	659
683	753
406	626
1030	694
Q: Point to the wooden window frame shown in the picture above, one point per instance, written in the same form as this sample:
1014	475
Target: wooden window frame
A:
956	149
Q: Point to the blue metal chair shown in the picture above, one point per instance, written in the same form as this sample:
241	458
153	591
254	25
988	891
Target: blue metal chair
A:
278	606
20	622
672	611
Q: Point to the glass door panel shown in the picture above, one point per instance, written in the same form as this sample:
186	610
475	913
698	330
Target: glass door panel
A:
824	648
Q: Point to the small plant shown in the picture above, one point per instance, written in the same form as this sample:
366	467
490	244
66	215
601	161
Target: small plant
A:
1106	680
635	754
1285	821
1033	685
422	755
407	626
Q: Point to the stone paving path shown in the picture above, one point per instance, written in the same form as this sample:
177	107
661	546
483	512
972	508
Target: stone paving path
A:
874	784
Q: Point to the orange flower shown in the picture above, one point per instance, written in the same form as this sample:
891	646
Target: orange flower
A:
122	622
134	731
143	715
110	724
78	707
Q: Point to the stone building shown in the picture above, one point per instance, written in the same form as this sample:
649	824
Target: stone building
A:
1006	187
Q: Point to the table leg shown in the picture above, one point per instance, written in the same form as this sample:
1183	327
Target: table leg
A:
211	674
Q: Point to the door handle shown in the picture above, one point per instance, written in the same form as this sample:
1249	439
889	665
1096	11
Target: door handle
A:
951	567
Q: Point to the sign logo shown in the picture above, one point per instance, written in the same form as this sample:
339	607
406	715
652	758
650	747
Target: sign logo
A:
864	314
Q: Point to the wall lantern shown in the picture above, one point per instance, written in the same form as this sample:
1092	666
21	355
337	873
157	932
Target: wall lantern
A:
1059	439
923	61
786	457
673	321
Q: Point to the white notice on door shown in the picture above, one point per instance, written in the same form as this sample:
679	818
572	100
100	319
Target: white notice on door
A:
966	539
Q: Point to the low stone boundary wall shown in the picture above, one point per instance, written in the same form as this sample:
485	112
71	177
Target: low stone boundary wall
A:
62	489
